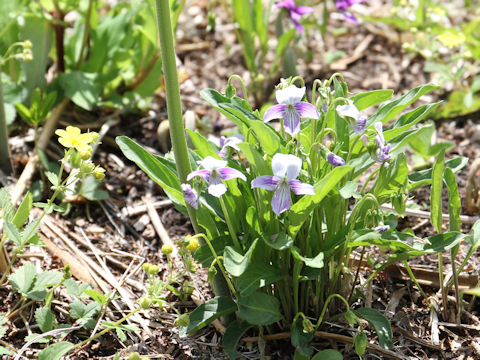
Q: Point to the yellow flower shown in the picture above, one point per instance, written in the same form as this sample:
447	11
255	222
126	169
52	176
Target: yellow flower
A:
167	249
451	40
99	173
72	137
192	245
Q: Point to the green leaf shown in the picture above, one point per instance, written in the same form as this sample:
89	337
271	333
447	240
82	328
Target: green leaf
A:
24	113
316	262
12	233
209	311
44	318
202	146
380	323
48	278
392	179
328	354
367	99
23	278
424	177
76	289
454	202
280	241
236	263
80	88
5	351
53	178
259	309
305	206
300	337
153	167
6	204
349	190
256	276
389	110
55	351
233	334
436	192
475	291
91	189
23	211
474	236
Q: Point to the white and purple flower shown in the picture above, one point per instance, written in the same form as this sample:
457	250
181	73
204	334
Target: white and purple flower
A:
229	143
335	160
286	169
383	147
343	5
214	171
291	109
381	228
295	12
190	196
352	114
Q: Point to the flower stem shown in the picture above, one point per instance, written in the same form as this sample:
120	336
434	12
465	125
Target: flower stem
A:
231	230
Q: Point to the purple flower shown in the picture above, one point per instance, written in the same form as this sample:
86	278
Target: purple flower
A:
295	12
381	228
352	114
383	148
335	160
291	109
230	142
214	171
190	196
343	5
285	172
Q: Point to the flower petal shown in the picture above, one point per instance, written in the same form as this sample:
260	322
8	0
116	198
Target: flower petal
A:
274	112
298	26
281	199
294	165
292	121
229	173
286	165
379	127
307	110
203	173
267	182
210	163
303	10
349	110
300	188
216	187
190	196
288	4
290	95
335	160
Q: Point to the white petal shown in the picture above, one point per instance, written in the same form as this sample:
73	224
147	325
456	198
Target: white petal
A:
349	110
379	127
290	95
286	165
216	187
210	163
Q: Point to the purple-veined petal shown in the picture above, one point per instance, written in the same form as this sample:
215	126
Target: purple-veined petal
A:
381	228
231	142
222	141
210	163
307	110
335	160
281	199
348	110
291	121
267	182
300	188
303	10
290	95
190	196
215	186
203	173
274	112
229	173
383	154
360	125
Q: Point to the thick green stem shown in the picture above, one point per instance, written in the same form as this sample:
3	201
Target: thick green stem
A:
5	161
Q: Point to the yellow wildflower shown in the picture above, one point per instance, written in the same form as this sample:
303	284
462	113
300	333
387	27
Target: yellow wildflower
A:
72	137
451	40
192	245
99	173
167	249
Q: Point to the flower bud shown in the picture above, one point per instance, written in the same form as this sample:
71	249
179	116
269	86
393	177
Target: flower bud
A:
192	245
27	44
87	154
167	249
183	320
99	173
87	167
27	55
335	160
360	343
75	159
145	303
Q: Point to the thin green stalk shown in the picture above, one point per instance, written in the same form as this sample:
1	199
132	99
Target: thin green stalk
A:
442	285
231	230
320	318
412	276
85	34
297	267
5	160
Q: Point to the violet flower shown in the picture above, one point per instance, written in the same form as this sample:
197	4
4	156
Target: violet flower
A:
343	5
295	12
352	114
286	169
381	228
291	109
190	196
335	160
383	147
214	171
230	142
